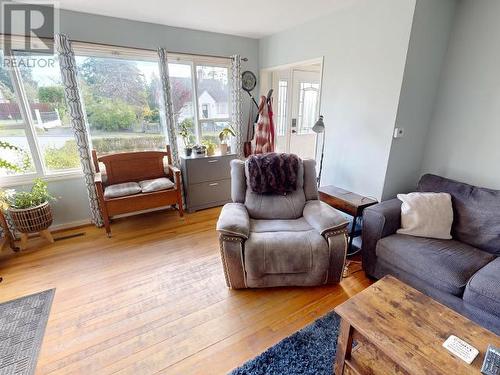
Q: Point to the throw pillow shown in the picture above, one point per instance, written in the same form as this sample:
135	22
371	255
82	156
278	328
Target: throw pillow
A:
162	183
426	215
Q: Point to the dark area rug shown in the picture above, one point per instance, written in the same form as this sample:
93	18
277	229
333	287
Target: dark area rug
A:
22	326
308	351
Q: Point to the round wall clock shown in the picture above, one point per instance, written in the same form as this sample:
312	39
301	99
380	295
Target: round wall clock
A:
248	81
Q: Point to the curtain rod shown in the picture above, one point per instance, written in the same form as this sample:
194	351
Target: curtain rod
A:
118	46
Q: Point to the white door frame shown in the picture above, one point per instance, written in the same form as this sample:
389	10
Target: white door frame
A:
266	83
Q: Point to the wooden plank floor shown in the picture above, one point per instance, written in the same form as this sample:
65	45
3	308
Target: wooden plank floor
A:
152	300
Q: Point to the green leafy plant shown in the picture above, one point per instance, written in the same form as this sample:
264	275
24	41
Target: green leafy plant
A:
226	133
186	132
211	147
27	199
111	115
65	157
10	166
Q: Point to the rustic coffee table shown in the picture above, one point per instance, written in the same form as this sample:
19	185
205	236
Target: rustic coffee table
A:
399	330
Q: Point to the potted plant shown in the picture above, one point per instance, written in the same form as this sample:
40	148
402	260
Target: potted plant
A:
224	137
199	150
30	210
211	147
186	135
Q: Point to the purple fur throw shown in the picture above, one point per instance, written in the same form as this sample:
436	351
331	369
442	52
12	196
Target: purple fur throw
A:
273	173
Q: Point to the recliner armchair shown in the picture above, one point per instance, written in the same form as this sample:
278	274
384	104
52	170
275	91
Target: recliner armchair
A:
269	240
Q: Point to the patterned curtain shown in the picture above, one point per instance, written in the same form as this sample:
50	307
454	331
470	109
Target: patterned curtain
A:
167	98
67	64
236	112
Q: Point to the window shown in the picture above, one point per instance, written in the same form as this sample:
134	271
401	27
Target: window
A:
33	117
282	107
200	96
123	100
308	100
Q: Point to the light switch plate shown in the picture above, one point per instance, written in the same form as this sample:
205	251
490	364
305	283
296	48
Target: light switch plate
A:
399	132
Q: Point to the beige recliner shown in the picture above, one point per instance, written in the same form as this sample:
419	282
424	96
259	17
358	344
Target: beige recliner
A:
269	240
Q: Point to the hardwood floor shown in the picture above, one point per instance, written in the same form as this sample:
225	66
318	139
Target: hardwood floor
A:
152	299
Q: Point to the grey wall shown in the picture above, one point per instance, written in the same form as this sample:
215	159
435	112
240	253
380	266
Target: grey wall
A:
463	141
364	45
432	24
72	206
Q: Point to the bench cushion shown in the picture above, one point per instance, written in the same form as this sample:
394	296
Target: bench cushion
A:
446	265
162	183
121	190
483	289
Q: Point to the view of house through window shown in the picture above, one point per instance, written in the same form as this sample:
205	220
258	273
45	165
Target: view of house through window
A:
123	102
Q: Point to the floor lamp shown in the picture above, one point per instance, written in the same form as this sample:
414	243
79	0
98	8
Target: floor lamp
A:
319	127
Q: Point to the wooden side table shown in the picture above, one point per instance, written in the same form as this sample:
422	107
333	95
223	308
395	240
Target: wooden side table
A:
348	202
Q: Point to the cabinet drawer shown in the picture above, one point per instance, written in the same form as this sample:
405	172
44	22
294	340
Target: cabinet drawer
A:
208	169
209	192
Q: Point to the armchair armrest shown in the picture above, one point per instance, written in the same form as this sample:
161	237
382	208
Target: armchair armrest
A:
323	217
379	221
234	221
97	178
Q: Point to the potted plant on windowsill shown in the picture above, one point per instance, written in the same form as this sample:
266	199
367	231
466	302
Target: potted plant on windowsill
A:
210	146
30	211
224	137
185	132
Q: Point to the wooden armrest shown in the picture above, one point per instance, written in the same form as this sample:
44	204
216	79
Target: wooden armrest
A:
173	169
98	178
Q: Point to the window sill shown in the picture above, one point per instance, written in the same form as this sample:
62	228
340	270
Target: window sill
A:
12	181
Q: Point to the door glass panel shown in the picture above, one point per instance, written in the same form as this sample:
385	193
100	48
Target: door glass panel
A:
308	104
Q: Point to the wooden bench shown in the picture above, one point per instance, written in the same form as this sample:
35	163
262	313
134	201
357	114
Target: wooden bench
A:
136	167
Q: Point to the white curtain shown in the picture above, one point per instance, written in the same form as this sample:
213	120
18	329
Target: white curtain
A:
236	111
167	99
67	65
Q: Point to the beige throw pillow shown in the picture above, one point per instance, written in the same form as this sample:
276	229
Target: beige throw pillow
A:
426	215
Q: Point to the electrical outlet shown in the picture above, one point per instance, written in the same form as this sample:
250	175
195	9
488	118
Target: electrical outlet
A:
399	132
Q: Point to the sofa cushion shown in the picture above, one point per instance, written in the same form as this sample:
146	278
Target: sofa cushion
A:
483	289
286	253
447	265
475	210
121	190
156	184
295	225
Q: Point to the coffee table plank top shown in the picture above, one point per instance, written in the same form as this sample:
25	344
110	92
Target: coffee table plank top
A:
410	328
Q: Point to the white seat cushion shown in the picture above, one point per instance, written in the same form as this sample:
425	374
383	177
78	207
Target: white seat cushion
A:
162	183
121	190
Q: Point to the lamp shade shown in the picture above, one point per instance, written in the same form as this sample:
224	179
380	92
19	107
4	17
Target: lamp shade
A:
319	126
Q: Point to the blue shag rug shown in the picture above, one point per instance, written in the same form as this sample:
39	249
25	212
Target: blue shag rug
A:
308	351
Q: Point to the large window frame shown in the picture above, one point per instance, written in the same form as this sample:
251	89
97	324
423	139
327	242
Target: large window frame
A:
102	50
194	61
35	150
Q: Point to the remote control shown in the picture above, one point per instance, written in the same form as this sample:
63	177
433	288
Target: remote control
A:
491	364
461	349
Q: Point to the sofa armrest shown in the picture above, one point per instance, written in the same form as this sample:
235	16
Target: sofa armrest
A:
379	221
323	217
234	221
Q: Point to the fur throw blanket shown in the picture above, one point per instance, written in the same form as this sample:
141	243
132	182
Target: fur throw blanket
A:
273	173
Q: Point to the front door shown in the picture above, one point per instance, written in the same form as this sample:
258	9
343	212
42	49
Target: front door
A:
296	108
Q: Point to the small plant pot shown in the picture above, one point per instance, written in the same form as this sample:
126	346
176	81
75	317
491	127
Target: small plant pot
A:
188	151
210	151
223	148
31	220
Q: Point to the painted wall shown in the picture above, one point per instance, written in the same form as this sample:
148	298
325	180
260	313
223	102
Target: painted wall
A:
72	204
432	24
364	45
463	141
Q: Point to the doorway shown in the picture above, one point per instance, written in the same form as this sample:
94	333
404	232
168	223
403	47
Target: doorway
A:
297	96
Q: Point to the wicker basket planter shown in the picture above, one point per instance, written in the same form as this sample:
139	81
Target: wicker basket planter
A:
31	220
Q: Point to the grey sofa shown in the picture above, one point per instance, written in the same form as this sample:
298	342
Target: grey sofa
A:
269	240
462	273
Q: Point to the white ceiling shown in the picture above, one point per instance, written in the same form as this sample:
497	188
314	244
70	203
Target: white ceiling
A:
250	18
